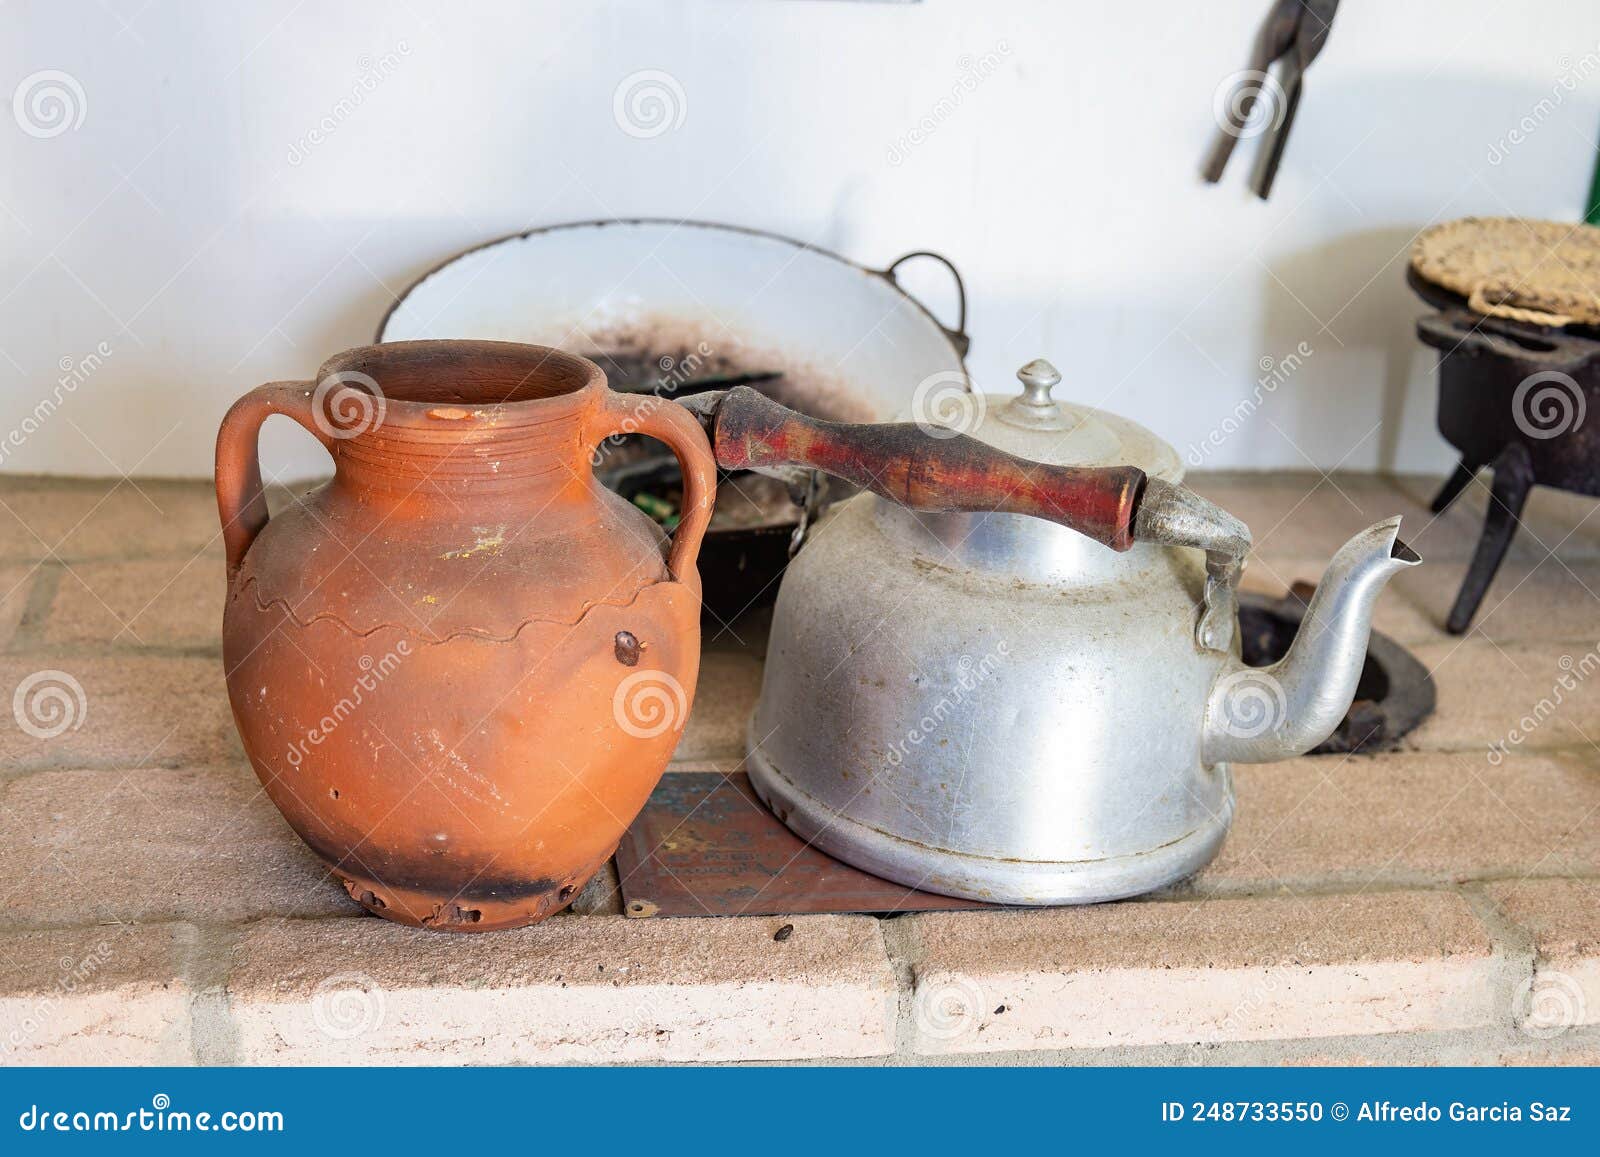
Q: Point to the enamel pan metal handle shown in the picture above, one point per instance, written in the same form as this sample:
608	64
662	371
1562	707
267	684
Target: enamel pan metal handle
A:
958	336
924	471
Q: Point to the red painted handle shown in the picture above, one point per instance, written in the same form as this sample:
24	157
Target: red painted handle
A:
905	464
240	499
662	420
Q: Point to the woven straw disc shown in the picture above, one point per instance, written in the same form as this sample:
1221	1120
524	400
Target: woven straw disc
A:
1543	272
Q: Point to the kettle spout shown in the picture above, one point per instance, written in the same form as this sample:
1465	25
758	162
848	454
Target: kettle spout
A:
1260	714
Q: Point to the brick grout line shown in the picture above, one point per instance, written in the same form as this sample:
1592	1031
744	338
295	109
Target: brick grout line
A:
1354	882
45	583
1450	1047
1582	759
899	1008
177	922
1582	753
1459	1047
901	945
214	1036
1566	749
904	950
26	769
71	558
70	651
114	651
1514	953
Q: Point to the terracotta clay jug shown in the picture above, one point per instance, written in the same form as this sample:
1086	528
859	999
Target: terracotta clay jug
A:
461	665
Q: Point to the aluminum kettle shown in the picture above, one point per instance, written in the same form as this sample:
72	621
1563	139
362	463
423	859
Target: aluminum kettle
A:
977	697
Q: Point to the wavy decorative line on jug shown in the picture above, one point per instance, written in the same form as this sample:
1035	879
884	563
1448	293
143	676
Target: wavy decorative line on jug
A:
430	639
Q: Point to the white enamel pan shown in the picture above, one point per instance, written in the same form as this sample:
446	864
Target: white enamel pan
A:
667	306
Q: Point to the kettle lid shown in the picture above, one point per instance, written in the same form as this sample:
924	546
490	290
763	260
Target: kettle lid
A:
1036	426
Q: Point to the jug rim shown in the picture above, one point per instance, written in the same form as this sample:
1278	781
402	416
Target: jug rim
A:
416	379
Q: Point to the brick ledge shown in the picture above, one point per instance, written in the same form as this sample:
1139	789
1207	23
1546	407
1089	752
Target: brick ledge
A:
1393	977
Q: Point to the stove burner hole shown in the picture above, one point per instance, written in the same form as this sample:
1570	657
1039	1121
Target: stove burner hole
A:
1393	696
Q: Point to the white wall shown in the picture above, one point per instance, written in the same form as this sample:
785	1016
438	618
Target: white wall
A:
186	224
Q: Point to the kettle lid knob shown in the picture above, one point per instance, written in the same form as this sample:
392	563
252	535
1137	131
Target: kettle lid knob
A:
1038	378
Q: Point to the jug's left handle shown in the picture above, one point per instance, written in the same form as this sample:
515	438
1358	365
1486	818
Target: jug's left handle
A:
667	422
241	501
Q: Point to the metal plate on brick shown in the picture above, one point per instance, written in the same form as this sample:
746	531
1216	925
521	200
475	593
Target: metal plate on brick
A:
706	846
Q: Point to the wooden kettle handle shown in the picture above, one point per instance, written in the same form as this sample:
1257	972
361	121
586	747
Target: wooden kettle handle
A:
906	464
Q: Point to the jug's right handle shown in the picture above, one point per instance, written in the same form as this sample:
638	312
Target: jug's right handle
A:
241	501
666	422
